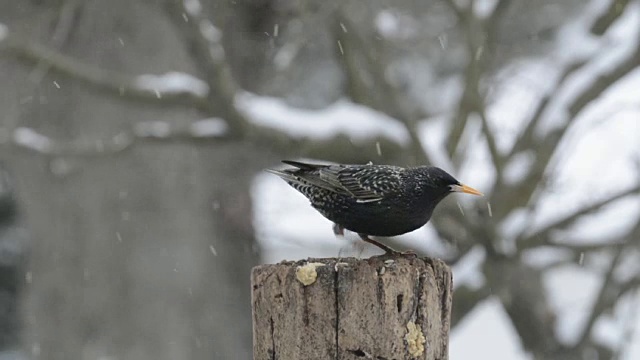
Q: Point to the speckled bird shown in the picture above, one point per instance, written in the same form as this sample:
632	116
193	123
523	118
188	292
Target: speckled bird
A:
373	200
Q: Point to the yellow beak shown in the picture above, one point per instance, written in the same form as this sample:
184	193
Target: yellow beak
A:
465	189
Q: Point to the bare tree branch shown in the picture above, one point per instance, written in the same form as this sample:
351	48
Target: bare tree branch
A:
480	34
120	85
581	248
66	20
630	327
542	236
496	158
457	10
116	84
527	306
468	103
578	247
603	300
353	48
521	193
466	300
205	43
606	19
526	139
340	148
604	81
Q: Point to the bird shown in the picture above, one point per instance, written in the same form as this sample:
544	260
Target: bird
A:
372	200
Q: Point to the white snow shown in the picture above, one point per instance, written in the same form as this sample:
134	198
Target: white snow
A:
211	127
343	117
171	83
395	26
193	7
29	138
484	8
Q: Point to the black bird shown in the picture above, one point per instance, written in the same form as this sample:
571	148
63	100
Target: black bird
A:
373	200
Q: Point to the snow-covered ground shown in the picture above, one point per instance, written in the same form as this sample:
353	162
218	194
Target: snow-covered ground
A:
599	156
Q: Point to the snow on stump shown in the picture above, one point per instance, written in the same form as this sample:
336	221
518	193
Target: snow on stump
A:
385	307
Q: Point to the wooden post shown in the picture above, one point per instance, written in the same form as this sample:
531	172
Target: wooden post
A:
380	308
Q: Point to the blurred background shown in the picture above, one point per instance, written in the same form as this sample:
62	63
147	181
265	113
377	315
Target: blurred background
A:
134	134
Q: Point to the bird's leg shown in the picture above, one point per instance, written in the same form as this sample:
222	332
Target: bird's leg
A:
386	248
338	229
382	246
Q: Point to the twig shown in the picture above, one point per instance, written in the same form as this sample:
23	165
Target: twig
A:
611	290
548	146
602	301
606	19
630	328
466	300
205	40
604	81
480	34
526	139
541	236
28	139
457	10
115	83
496	157
393	101
66	21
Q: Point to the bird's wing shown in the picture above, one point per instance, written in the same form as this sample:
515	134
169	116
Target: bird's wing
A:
367	183
312	175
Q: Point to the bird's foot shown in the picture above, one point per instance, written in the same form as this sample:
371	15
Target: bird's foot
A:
338	230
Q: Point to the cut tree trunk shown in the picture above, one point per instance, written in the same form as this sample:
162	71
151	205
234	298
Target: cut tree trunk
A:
379	308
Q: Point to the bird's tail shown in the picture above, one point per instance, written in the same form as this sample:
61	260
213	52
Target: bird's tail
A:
303	174
288	176
303	166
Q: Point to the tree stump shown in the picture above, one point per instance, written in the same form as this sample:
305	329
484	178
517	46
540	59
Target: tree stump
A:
385	307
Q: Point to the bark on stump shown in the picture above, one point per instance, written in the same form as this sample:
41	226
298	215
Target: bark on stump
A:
378	308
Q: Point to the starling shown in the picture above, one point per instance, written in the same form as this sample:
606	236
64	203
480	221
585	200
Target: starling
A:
373	200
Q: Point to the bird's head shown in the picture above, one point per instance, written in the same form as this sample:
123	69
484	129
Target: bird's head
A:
431	185
444	183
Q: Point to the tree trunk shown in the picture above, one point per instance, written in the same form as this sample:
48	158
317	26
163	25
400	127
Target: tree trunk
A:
378	308
147	265
141	254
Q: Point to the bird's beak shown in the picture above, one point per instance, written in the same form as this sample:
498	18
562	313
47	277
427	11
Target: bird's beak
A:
465	189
